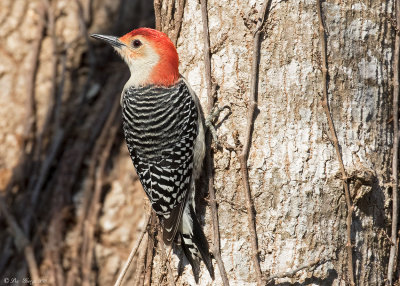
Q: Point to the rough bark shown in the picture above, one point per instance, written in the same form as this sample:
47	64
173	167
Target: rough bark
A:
295	177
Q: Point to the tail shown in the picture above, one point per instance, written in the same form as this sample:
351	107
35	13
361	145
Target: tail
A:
194	242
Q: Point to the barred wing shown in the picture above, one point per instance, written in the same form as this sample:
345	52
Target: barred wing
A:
160	130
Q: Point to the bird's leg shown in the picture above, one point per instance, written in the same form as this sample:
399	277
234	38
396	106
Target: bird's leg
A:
215	112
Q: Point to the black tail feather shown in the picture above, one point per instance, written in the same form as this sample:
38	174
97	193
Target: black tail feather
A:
195	265
201	242
198	243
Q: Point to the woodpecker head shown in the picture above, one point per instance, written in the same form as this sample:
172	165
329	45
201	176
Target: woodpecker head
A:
151	56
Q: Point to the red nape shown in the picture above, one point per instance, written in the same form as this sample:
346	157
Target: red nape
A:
166	72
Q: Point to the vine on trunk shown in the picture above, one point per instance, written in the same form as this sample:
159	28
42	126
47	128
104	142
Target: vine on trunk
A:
249	130
209	158
395	164
335	142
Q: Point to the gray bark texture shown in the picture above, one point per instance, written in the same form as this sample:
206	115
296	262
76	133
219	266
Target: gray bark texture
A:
67	185
294	172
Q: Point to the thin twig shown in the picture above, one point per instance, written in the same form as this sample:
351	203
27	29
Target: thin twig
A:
292	272
54	63
132	254
150	249
335	142
165	259
55	143
249	130
178	20
395	178
91	56
157	14
141	263
30	132
168	18
209	157
21	240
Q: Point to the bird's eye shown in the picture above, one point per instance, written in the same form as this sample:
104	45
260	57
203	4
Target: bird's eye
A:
136	43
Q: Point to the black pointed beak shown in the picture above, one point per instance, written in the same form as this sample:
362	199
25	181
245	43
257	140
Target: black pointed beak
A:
113	41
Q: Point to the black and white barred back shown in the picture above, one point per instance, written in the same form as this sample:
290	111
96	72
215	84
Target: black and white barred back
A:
160	126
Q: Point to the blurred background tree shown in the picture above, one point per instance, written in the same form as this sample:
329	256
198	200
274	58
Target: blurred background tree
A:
62	149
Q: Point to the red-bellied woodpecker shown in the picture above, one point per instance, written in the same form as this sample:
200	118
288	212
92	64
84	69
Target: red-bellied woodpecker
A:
163	127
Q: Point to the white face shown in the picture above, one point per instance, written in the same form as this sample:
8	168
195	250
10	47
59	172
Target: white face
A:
140	57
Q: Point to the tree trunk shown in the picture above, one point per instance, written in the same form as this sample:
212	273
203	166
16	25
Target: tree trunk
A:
294	172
